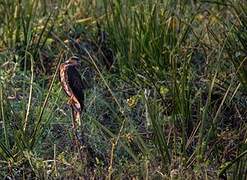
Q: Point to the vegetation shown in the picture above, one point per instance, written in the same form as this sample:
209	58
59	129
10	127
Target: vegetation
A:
173	106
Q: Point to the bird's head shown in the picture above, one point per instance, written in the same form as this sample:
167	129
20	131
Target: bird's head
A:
73	61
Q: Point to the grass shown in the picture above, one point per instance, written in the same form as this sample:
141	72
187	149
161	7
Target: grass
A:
173	105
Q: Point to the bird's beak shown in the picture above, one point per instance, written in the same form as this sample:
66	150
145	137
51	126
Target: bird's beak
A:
75	61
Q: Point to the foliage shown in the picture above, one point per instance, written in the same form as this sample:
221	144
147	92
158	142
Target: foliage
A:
172	106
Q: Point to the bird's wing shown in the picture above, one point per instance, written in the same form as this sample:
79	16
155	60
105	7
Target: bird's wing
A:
76	84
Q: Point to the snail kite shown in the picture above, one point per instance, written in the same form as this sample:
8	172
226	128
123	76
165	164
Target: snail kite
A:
72	83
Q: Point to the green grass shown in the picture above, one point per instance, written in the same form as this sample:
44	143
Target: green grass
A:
173	105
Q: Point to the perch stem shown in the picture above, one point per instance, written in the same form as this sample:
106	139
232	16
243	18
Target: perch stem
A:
75	121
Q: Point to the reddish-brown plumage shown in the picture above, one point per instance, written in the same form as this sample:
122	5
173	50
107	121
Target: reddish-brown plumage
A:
72	83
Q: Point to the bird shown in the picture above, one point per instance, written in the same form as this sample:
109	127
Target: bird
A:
72	83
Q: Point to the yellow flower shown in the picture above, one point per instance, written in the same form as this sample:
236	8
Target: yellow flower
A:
214	19
132	101
129	137
163	90
200	17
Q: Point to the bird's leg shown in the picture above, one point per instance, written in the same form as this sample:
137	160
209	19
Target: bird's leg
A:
75	116
74	125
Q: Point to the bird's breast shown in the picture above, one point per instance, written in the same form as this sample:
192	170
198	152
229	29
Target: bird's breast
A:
64	79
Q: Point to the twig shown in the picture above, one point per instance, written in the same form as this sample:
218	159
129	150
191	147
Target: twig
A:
76	120
223	170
